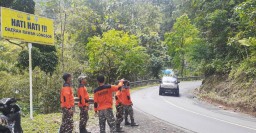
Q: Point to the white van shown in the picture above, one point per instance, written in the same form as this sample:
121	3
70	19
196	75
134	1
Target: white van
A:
169	84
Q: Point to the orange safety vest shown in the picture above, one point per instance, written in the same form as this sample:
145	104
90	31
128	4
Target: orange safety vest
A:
66	96
83	96
126	98
118	97
103	96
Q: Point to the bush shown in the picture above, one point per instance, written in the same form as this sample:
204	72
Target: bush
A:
247	68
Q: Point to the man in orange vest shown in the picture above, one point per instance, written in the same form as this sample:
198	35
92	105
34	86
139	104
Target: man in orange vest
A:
127	104
103	103
119	110
67	103
83	103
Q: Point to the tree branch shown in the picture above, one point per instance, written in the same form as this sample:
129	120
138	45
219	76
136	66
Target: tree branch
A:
17	44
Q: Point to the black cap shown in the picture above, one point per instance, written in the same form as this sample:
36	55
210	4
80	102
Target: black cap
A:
65	76
101	79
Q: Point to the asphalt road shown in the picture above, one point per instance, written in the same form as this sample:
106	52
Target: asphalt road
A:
191	114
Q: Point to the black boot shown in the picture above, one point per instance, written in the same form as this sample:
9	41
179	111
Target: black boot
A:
83	130
87	131
133	123
118	128
126	122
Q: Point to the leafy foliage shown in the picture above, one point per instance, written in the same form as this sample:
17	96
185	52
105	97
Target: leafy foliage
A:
116	54
182	35
247	17
20	5
47	61
220	29
157	51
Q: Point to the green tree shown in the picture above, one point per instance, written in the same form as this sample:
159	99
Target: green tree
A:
20	5
247	18
43	56
218	25
116	54
182	35
157	51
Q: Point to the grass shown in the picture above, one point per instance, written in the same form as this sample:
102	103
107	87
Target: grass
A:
42	123
50	123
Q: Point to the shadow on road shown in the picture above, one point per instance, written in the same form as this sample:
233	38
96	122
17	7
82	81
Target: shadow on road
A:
170	94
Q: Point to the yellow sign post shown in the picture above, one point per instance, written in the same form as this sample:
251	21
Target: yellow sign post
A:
27	28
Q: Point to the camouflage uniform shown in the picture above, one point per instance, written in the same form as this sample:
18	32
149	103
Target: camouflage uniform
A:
128	111
104	115
119	114
67	121
83	118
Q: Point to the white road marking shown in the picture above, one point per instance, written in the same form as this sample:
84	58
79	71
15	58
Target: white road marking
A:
182	108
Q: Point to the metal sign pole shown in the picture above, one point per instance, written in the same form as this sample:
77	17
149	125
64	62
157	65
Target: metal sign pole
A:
30	80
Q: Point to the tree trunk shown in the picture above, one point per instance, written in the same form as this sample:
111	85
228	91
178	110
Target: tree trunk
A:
63	26
182	65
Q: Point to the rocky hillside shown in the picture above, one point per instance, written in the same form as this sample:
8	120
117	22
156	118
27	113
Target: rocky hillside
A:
236	90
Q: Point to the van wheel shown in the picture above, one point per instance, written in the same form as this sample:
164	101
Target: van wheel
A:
160	92
178	92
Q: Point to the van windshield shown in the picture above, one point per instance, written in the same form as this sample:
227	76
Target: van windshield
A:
169	80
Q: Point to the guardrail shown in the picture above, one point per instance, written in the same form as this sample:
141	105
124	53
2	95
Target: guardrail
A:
77	100
191	78
144	82
155	81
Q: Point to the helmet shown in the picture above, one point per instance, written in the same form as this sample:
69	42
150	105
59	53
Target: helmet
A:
81	77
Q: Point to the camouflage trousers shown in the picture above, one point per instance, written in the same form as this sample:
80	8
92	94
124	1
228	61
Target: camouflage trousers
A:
67	121
128	111
106	114
83	117
119	114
